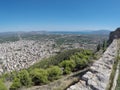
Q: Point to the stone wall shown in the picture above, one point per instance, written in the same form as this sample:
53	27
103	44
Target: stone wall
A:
97	78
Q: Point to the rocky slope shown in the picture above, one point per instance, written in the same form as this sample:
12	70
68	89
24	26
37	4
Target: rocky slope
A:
21	54
97	78
114	35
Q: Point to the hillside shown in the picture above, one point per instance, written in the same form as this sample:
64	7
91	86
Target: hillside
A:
97	78
23	50
47	58
103	74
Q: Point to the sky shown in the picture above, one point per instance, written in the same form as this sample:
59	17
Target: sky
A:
59	15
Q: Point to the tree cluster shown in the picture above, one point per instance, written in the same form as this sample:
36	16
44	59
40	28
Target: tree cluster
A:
76	62
64	63
36	76
102	46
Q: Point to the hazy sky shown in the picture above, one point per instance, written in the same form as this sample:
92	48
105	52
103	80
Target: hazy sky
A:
17	15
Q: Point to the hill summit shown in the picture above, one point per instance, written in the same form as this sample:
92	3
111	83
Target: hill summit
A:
114	35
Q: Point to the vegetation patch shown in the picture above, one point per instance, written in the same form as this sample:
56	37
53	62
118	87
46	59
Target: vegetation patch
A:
50	69
113	73
2	86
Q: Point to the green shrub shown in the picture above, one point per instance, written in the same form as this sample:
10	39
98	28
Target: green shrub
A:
39	76
81	63
2	86
67	70
13	74
4	76
87	52
16	84
54	72
24	77
55	60
9	76
68	66
81	59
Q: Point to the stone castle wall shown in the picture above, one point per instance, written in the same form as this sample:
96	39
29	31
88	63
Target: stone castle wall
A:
97	78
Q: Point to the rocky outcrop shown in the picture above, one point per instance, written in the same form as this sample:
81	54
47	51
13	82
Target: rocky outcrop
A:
114	35
21	54
97	78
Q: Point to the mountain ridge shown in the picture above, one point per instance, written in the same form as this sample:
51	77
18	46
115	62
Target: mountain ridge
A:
105	32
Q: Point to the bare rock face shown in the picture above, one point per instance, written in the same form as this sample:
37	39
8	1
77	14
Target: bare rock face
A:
97	78
114	35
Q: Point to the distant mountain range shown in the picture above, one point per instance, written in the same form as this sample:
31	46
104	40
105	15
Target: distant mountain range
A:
98	32
105	32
